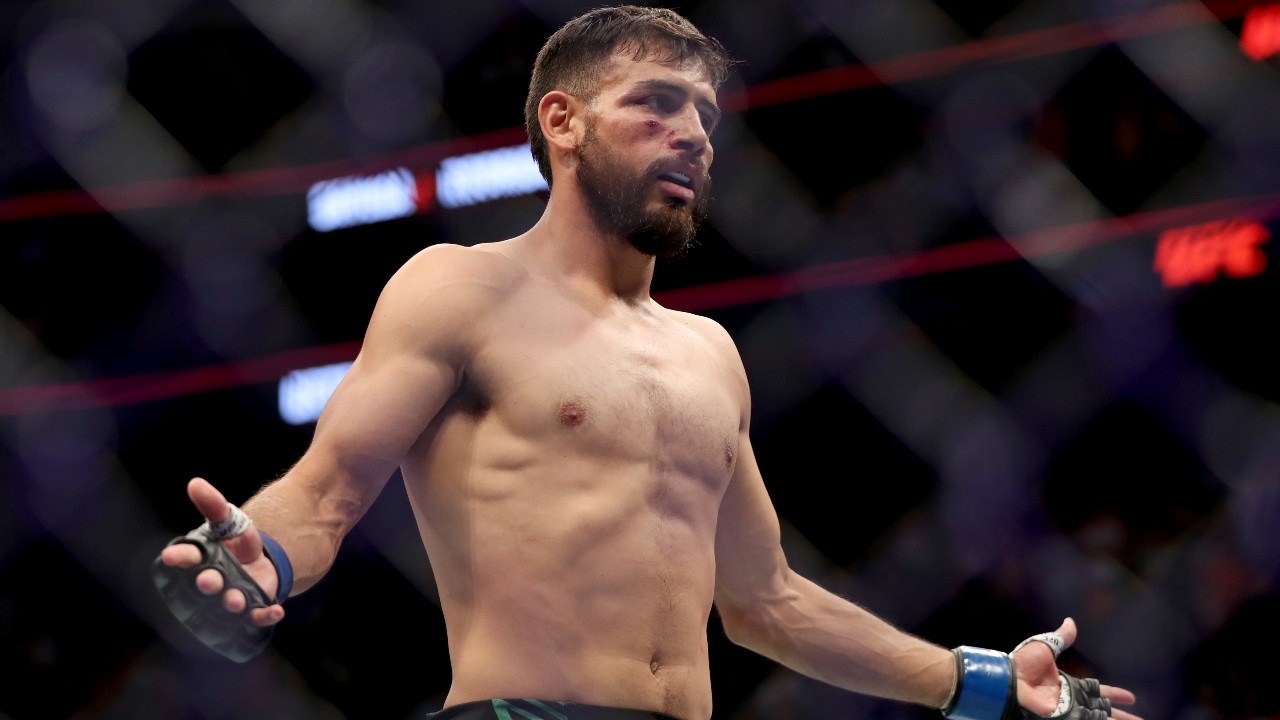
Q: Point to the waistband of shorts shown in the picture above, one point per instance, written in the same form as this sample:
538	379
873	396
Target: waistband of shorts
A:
533	709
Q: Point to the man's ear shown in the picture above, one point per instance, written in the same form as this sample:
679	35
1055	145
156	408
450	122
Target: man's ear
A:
560	115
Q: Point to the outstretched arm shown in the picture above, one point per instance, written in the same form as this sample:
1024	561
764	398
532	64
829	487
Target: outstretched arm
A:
410	363
768	608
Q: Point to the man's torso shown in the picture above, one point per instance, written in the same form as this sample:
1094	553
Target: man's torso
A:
567	495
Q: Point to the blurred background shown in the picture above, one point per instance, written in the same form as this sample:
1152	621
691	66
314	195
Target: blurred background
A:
1002	273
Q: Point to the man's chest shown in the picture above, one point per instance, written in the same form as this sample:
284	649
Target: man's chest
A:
647	392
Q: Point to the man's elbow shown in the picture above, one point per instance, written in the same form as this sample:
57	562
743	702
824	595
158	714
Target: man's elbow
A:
750	625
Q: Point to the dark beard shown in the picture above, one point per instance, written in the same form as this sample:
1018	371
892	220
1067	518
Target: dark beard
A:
618	201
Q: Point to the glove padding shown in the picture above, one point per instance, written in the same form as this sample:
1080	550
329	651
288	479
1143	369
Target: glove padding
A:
231	634
1079	699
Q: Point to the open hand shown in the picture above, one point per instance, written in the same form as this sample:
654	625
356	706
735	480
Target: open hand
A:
246	548
1038	683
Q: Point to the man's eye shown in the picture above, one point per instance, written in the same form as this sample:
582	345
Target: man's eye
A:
655	102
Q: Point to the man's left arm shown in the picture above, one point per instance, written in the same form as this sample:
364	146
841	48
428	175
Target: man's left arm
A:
768	608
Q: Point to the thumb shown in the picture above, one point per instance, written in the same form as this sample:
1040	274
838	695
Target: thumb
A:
1068	631
214	506
211	503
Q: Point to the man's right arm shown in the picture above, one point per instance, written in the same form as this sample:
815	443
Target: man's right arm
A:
419	340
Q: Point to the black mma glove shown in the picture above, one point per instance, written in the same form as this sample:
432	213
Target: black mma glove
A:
231	634
1080	699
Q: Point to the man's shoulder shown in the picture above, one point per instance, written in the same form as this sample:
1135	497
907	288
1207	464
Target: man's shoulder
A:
447	287
714	338
700	324
485	263
480	273
705	328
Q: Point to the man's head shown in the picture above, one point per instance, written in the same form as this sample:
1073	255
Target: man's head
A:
575	58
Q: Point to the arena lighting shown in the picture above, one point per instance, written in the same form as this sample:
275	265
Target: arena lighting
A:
1198	254
350	201
461	180
303	393
1260	34
1183	255
289	180
488	175
128	390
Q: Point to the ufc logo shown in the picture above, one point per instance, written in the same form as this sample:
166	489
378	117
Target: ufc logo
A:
1199	253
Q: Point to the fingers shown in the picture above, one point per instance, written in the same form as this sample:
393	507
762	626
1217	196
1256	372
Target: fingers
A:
234	602
264	617
211	503
245	547
1118	695
214	506
181	555
210	582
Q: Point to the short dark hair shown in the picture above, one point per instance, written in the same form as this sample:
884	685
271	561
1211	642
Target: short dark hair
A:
574	56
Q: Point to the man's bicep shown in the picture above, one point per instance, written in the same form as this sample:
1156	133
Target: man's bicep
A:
750	564
409	364
379	410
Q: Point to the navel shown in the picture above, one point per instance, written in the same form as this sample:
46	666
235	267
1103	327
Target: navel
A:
572	413
655	662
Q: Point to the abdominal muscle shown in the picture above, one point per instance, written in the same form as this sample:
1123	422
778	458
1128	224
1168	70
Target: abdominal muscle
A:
571	578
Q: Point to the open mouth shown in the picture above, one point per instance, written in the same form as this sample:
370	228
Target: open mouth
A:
678	178
678	186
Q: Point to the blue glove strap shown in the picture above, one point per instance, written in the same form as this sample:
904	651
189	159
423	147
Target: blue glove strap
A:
284	569
985	684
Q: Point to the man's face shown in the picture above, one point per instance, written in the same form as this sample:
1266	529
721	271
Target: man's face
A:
621	199
643	159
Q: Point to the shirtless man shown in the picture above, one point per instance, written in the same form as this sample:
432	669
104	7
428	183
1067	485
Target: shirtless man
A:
577	456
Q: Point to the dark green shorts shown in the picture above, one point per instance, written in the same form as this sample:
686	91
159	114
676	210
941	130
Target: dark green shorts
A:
526	709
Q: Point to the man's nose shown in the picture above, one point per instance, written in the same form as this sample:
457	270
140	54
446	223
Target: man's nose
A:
690	136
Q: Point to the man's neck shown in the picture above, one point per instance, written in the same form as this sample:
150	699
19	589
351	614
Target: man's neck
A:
567	242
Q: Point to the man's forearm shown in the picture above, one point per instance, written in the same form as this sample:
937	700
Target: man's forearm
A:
828	638
308	518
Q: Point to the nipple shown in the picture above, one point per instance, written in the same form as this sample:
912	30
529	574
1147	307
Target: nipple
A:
572	413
